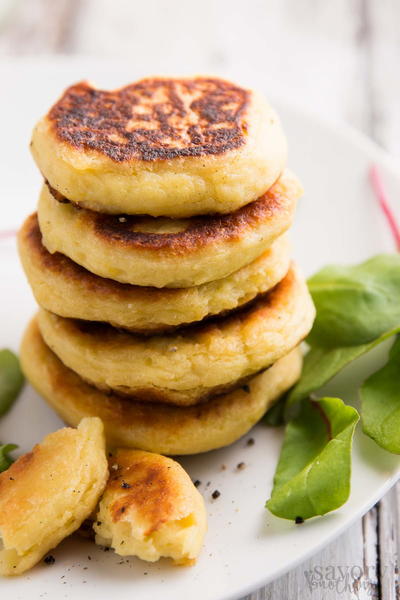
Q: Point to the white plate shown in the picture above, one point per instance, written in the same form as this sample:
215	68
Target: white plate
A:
337	221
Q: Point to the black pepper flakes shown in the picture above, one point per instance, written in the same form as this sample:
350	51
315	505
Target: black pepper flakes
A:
240	466
246	388
216	494
49	560
250	442
125	485
197	483
299	520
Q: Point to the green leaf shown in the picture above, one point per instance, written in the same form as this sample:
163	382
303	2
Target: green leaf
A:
5	460
11	379
322	364
274	417
313	473
380	403
356	304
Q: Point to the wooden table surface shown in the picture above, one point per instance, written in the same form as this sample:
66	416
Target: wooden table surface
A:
340	58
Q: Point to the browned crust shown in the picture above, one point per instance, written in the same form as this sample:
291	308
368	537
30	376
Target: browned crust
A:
160	396
58	263
255	309
201	231
115	411
123	409
251	315
154	118
148	486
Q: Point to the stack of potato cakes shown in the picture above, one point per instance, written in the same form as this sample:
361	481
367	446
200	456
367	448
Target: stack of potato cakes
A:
169	304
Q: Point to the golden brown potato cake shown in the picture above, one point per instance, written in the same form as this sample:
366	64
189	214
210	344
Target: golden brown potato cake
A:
189	365
161	146
150	509
67	289
168	252
156	427
48	492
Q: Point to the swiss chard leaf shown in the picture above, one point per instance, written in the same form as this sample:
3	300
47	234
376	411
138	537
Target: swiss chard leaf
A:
380	403
313	473
5	459
11	379
355	304
322	364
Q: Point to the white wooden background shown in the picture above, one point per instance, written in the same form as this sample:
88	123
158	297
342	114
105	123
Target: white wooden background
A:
340	58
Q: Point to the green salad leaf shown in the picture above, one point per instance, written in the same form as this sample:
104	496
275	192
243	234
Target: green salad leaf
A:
5	459
322	364
313	473
380	403
11	382
11	379
358	307
355	304
275	416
